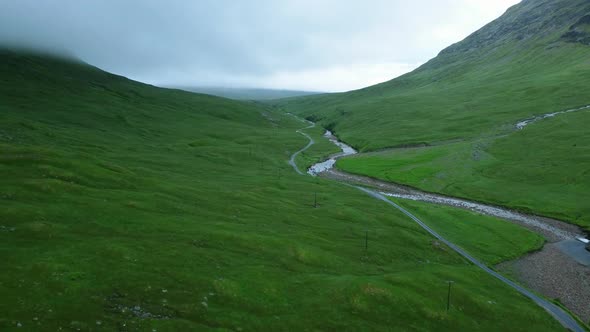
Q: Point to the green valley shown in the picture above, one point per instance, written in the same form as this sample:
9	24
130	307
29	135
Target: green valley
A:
131	207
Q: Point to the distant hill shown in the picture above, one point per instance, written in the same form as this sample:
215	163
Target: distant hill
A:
247	93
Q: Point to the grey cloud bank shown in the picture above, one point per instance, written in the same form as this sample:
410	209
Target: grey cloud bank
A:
309	45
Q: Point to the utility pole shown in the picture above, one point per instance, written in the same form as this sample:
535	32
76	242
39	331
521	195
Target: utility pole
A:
450	282
315	200
366	240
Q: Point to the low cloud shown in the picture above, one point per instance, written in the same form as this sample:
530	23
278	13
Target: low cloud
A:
292	44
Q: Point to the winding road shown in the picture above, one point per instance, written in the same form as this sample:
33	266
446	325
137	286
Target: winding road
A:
558	313
311	142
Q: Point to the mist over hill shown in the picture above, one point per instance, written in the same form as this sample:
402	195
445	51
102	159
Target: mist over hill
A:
247	93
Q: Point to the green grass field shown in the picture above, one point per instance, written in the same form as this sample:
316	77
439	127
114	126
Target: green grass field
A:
489	239
132	208
541	169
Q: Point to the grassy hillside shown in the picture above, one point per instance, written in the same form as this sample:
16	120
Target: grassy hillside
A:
515	67
132	208
464	105
541	169
247	94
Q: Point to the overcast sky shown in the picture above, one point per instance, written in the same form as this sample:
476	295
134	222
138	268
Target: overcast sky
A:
320	45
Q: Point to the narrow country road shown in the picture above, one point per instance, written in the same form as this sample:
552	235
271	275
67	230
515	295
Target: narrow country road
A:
311	142
559	314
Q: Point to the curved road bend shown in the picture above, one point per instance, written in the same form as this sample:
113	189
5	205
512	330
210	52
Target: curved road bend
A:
559	314
311	142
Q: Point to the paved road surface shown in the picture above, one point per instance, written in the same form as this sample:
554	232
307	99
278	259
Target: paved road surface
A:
311	142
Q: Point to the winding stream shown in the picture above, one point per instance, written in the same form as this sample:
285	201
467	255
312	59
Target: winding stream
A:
554	230
324	166
521	124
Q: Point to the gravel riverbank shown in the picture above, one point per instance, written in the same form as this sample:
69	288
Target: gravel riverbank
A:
551	273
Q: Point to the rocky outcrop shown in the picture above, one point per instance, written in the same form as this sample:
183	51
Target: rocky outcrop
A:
579	32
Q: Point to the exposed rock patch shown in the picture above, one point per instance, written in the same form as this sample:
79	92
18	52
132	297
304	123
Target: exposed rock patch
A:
552	273
579	32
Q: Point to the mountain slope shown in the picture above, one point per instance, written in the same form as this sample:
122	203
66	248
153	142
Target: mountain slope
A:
462	108
524	63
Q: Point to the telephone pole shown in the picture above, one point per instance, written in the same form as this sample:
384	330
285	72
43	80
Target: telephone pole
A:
450	282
